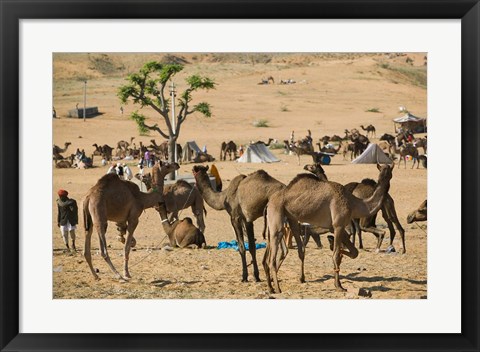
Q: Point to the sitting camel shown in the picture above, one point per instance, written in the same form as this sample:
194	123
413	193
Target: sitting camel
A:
181	233
418	215
203	158
325	204
120	201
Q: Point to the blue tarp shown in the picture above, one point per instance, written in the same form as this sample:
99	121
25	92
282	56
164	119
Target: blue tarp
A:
234	244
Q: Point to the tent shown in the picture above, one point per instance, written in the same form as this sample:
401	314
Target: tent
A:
410	122
190	151
257	153
372	155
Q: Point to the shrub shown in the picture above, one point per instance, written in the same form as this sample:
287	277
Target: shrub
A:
261	123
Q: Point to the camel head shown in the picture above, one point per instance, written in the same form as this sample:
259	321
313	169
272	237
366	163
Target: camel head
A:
199	168
385	172
418	215
316	169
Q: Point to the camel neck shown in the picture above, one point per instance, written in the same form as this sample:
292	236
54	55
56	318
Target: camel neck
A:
216	200
167	227
372	204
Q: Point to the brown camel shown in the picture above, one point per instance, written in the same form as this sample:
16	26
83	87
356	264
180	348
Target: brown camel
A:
181	195
230	148
411	150
267	144
181	233
65	164
243	206
203	158
105	151
112	199
421	143
57	150
124	144
370	130
364	190
418	215
336	138
319	203
299	148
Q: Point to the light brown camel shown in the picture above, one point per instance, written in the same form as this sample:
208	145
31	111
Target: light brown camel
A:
364	190
319	203
230	148
370	130
267	144
64	164
181	195
203	158
299	148
181	233
418	215
243	206
112	199
124	144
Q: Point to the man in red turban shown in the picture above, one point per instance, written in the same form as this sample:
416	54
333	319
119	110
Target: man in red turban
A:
67	218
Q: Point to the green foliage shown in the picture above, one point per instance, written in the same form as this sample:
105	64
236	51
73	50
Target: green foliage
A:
277	146
413	75
261	123
140	120
373	110
203	108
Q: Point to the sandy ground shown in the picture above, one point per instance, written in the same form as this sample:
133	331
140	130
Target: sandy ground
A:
331	94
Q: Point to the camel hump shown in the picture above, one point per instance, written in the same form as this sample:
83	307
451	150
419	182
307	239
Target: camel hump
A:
369	182
300	177
188	220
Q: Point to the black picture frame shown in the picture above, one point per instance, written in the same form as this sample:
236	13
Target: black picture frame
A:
468	11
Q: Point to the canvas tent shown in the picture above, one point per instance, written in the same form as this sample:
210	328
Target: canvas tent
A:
373	155
410	122
190	151
257	153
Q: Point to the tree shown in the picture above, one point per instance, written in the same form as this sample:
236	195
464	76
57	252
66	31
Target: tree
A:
147	89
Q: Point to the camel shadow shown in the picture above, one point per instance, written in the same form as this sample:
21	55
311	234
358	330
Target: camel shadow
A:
354	277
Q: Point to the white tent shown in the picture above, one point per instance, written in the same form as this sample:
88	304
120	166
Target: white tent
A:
373	155
257	153
190	151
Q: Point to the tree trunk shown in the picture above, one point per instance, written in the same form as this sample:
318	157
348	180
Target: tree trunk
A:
172	144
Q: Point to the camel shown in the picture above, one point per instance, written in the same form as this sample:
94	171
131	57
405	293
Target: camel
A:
181	195
299	148
370	130
57	150
230	148
64	164
270	140
364	190
112	199
319	203
387	137
181	233
418	215
243	206
336	138
105	151
330	149
421	143
203	158
267	80
124	144
411	150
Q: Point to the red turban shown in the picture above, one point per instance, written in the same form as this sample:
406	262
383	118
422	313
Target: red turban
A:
62	192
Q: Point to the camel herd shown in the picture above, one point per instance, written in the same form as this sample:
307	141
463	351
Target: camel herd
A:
310	204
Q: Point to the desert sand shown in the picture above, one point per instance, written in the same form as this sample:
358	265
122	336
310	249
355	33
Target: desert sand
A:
333	92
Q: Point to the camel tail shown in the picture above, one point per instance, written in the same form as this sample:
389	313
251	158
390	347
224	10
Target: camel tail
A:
205	210
264	222
87	217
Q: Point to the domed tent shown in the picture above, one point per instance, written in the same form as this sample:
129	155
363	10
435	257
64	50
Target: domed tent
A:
257	153
372	155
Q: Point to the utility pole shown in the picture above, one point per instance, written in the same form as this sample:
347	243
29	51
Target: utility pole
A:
174	125
84	100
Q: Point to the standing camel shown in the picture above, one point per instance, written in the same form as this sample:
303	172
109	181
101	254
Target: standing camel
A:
299	149
364	190
267	144
319	203
370	130
421	143
244	200
408	149
112	199
230	148
181	195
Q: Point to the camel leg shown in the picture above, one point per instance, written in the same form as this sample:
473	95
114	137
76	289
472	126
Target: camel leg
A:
317	240
266	267
337	257
277	238
87	252
237	227
390	216
252	249
351	252
102	229
132	225
295	227
197	210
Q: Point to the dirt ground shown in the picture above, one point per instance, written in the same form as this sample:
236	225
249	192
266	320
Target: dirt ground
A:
332	93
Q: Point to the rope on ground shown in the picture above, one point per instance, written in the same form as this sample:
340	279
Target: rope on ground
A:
420	227
146	256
